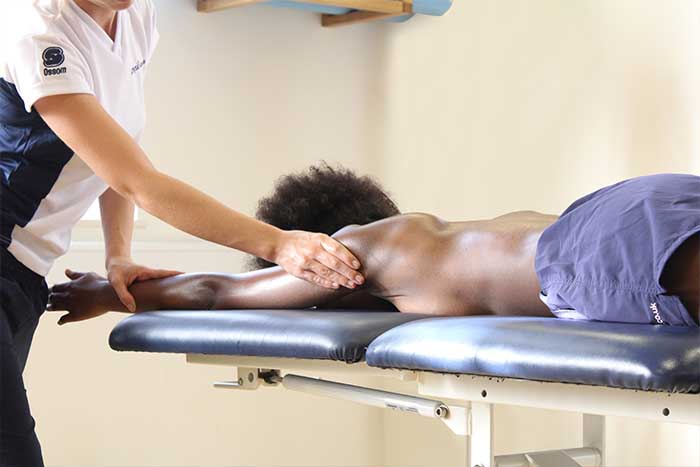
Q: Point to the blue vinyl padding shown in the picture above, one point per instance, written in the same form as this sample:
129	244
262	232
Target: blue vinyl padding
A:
632	356
327	335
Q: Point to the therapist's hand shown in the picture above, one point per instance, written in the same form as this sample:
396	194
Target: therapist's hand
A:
319	259
122	272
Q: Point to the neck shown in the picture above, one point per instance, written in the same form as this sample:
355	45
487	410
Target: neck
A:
103	16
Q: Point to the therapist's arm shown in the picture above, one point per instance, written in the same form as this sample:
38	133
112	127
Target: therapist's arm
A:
117	215
81	122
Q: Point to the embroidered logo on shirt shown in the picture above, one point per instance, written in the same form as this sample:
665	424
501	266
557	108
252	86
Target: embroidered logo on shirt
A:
138	66
655	309
53	58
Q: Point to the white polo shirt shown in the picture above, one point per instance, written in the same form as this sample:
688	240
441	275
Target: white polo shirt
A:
54	47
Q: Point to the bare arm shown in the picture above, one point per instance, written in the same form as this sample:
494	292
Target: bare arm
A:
117	214
81	122
89	295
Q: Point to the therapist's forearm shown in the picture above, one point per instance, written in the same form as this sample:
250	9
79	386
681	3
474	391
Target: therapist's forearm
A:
117	214
198	214
84	125
81	122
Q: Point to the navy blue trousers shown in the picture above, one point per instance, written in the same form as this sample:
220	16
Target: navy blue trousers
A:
23	296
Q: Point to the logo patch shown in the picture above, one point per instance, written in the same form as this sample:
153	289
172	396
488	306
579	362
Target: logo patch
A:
655	310
53	57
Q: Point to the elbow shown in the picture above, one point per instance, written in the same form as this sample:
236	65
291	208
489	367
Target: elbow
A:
208	294
135	187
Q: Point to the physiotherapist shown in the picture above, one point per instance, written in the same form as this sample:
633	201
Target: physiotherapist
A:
71	118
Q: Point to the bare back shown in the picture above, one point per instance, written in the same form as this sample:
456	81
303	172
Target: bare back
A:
427	265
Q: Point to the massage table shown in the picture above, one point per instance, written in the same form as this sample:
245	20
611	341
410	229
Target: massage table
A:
461	366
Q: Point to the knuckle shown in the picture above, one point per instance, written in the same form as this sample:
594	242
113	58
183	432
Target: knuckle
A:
337	278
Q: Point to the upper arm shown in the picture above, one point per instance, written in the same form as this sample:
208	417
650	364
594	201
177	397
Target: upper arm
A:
274	288
46	63
81	122
269	288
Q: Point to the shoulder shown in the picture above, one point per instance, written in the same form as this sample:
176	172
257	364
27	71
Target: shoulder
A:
386	235
35	38
143	9
143	13
144	24
21	21
396	225
24	23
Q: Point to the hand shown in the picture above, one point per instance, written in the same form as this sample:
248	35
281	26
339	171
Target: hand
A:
122	272
319	259
82	297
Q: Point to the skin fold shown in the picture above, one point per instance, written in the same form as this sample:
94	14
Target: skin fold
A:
413	262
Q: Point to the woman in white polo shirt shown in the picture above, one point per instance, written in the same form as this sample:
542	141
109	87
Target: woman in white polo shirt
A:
71	117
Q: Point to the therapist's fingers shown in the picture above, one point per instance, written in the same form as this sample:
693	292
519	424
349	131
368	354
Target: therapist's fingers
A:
339	251
148	274
325	277
120	287
331	268
311	276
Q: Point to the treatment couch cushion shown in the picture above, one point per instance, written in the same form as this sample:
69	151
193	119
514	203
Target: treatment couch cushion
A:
634	356
309	334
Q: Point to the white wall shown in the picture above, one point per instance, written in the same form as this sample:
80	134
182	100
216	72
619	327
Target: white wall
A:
500	105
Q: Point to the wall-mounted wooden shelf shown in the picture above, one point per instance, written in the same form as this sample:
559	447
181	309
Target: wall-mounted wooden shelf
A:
356	11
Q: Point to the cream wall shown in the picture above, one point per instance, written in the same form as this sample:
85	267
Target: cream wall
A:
507	105
498	106
504	105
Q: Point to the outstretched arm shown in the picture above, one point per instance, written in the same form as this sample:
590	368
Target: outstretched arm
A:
89	295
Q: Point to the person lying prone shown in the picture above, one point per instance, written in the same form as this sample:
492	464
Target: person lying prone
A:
586	264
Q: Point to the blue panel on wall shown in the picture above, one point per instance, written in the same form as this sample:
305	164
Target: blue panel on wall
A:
431	7
398	19
331	10
424	7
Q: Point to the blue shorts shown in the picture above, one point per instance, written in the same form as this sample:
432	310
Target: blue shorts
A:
603	258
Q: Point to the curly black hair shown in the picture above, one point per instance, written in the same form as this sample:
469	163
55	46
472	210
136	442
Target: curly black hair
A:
323	199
